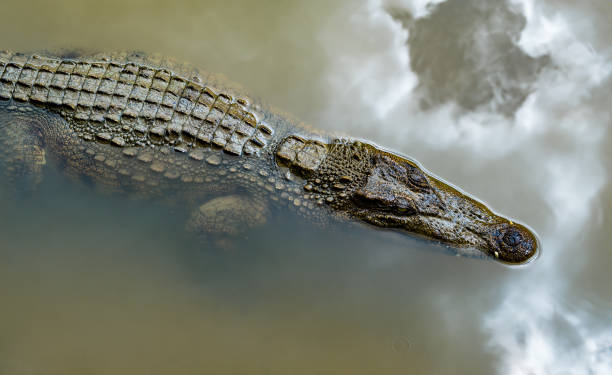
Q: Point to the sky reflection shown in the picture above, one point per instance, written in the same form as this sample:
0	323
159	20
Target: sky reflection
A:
549	149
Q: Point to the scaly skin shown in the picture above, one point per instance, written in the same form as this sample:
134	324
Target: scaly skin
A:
159	129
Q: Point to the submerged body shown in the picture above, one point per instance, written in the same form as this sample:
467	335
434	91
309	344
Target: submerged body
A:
156	128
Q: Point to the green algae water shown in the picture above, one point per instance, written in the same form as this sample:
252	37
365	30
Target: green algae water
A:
506	98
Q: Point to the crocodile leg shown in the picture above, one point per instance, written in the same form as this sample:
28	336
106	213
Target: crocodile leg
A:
227	216
22	155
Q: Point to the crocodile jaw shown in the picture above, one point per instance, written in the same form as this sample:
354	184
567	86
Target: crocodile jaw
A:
475	240
399	194
476	225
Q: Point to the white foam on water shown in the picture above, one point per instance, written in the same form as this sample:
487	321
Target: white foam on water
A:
558	127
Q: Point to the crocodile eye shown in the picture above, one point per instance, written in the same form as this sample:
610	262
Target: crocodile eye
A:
512	238
418	180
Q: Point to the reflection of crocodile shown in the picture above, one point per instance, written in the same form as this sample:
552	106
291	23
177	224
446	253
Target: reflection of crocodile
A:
156	128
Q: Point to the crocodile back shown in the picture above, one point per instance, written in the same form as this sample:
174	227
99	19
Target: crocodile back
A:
133	103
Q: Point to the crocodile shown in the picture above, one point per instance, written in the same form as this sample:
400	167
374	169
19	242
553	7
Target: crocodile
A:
148	125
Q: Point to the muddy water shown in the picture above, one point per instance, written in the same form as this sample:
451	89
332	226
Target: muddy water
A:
507	99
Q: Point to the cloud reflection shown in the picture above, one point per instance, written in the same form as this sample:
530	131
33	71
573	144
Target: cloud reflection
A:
551	142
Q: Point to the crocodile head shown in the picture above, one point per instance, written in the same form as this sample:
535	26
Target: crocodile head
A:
363	182
395	192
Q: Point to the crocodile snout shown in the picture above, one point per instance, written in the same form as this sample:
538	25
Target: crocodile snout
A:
512	243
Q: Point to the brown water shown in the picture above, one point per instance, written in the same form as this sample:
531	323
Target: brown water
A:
509	100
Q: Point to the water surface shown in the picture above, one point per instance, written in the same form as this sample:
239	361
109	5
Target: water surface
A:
507	99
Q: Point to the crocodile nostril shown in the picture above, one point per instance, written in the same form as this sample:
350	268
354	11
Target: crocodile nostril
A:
512	238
